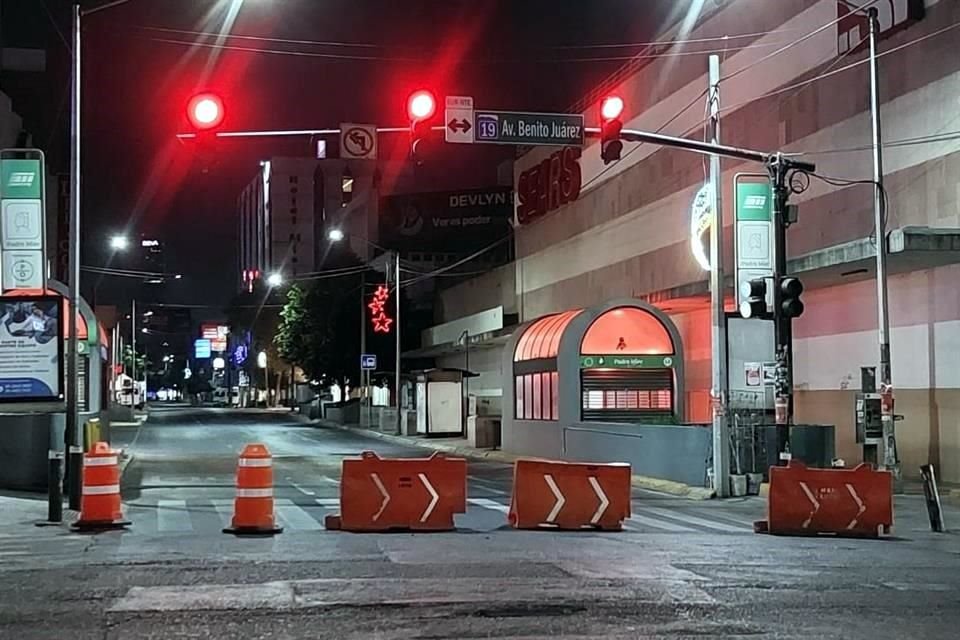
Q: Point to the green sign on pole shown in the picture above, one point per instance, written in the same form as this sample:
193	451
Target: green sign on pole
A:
754	200
753	239
21	179
512	127
626	362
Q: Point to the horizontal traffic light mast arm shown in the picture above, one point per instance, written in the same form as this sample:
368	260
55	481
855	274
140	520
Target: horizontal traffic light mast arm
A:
295	132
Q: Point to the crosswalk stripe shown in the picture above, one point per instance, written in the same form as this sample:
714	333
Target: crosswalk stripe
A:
657	524
224	509
710	524
486	503
332	503
295	517
172	515
484	485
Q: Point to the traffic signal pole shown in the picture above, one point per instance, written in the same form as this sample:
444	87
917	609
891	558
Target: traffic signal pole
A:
71	432
782	324
720	381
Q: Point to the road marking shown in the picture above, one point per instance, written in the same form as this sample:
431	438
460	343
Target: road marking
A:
224	509
813	501
860	504
295	517
604	502
173	515
487	503
434	497
383	492
658	524
558	505
332	503
10	554
485	485
710	524
301	489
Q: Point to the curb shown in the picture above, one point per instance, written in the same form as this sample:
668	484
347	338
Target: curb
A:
670	487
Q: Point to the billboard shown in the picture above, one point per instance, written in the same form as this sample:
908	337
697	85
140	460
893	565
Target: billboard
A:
446	221
31	349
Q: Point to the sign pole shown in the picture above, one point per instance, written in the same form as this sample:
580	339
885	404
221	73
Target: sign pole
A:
721	427
71	435
397	363
890	457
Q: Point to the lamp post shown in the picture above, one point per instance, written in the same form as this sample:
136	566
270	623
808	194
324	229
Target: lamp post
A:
337	235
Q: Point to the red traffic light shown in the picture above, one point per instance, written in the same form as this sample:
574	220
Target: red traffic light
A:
421	105
205	111
611	107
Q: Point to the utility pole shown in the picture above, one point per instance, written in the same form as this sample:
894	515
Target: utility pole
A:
720	382
890	457
397	334
72	423
133	348
363	347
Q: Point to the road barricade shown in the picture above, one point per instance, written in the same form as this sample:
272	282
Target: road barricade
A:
569	495
400	494
845	502
253	506
100	506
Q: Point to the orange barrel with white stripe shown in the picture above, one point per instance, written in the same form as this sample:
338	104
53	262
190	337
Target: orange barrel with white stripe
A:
100	506
253	506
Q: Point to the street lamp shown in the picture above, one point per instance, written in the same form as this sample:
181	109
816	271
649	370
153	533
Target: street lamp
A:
335	235
119	242
274	280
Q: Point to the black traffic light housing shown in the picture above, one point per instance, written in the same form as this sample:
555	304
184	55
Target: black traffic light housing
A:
419	140
791	306
753	294
611	146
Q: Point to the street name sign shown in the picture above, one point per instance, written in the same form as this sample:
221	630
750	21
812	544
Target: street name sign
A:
514	127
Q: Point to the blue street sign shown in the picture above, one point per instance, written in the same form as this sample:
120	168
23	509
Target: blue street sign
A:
201	348
368	361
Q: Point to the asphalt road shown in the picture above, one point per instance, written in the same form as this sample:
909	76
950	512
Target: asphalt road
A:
679	570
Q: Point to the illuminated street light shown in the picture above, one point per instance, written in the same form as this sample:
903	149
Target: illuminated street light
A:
275	280
262	359
335	235
119	243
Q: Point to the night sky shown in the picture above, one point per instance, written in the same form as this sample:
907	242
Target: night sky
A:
508	54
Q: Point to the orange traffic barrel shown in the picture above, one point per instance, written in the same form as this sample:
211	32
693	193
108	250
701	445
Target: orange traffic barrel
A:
100	506
253	506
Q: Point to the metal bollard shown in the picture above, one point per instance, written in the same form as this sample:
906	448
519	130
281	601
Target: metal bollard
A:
932	495
54	490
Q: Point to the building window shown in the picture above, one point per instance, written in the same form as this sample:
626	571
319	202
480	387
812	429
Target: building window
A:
346	188
293	180
536	396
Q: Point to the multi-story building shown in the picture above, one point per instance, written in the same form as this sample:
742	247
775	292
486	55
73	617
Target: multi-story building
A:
622	241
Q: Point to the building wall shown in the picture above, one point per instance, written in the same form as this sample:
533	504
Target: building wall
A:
628	233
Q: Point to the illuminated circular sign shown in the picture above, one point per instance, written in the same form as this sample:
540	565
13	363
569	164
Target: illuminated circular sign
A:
701	221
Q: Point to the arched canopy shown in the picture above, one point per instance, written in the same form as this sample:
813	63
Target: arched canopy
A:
627	331
541	339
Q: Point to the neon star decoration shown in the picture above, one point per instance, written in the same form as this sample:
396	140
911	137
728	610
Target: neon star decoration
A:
378	314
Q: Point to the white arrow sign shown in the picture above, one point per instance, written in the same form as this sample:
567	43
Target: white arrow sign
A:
813	501
558	506
434	498
383	492
860	504
604	502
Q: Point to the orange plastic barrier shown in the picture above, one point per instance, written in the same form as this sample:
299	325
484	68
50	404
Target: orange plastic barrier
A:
100	506
253	506
846	502
568	495
415	494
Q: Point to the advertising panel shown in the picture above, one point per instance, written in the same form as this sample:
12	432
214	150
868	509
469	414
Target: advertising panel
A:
31	349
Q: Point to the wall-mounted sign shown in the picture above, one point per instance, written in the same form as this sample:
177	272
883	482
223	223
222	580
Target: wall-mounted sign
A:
701	222
31	349
626	362
549	185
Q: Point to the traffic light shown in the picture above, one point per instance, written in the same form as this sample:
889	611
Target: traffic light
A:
753	298
205	111
610	127
790	303
421	107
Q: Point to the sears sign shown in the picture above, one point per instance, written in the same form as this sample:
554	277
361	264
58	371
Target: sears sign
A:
853	27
